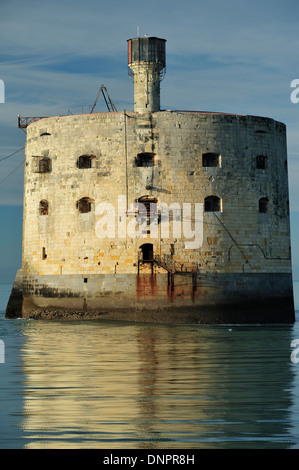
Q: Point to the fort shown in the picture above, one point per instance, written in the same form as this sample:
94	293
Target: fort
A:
230	172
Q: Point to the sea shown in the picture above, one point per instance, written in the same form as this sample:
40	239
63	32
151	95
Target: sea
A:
116	385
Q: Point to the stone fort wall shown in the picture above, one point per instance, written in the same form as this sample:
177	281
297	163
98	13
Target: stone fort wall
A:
236	238
233	166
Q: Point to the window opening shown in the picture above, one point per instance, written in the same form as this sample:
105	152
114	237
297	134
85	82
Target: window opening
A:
147	201
43	207
44	254
86	204
212	204
146	159
210	159
261	162
263	205
44	165
86	161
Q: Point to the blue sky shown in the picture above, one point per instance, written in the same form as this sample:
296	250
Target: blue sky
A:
222	55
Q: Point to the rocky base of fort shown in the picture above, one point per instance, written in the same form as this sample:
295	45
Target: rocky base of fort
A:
218	299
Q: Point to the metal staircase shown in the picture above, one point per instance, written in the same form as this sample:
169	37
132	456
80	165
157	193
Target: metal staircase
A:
171	266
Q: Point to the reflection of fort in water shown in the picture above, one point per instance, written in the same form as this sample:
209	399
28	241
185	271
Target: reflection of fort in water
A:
153	386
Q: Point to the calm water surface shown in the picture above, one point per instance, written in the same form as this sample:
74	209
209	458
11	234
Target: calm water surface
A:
88	384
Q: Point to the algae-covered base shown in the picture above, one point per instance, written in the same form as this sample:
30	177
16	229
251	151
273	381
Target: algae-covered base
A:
216	299
192	308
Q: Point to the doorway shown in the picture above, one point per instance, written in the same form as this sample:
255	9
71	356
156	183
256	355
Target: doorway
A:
147	250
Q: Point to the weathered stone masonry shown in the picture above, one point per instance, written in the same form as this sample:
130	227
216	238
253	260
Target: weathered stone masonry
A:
235	165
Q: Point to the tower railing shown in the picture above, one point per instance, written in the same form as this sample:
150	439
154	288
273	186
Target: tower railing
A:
168	263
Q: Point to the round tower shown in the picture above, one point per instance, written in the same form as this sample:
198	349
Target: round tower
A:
168	216
146	62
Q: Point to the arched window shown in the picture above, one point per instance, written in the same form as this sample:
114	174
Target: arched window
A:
210	159
263	205
213	204
150	203
147	201
86	204
146	159
43	207
86	161
261	162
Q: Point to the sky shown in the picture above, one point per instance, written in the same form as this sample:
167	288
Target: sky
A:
230	56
